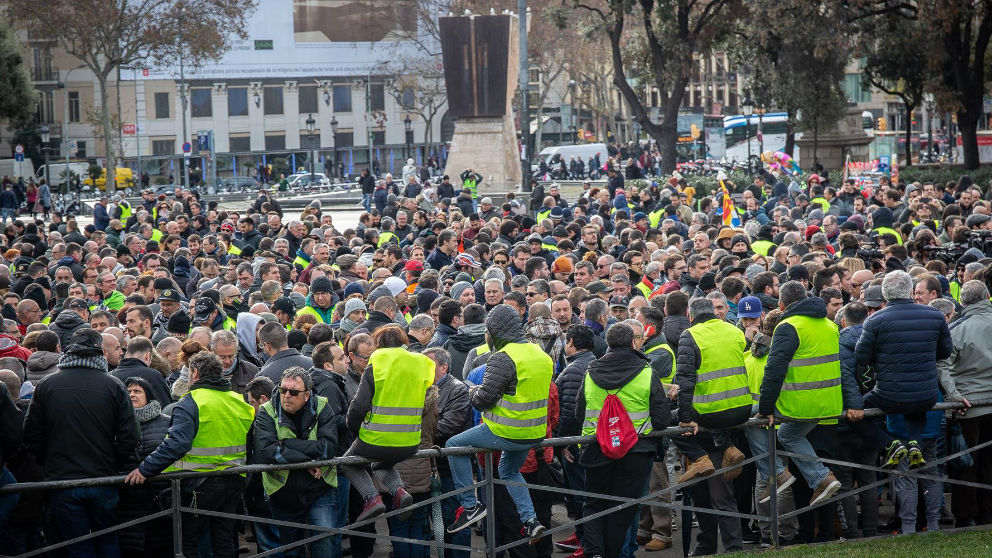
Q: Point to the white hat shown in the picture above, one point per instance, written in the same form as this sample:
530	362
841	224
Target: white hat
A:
395	285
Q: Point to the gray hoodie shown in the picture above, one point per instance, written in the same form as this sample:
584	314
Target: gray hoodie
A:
968	371
41	364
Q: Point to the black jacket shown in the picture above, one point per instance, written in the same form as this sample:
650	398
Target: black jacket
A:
279	362
65	325
132	367
377	320
454	413
672	327
331	386
569	382
615	370
461	343
81	423
301	489
441	335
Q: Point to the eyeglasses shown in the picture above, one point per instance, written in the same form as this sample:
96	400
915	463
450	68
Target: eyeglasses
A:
377	261
532	294
293	392
602	266
500	262
360	356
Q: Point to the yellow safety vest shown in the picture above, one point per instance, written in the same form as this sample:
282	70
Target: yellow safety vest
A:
125	208
221	435
401	381
523	415
762	247
654	218
275	480
721	382
887	230
385	237
635	396
669	376
156	235
812	383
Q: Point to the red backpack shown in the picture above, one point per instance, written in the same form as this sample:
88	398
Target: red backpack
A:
614	429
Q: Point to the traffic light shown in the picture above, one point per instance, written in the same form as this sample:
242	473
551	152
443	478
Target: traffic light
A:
882	125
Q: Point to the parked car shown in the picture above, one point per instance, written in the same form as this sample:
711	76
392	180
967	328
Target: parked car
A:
303	181
239	184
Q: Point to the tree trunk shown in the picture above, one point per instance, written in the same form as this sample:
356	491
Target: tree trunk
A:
668	135
909	135
790	134
968	128
108	133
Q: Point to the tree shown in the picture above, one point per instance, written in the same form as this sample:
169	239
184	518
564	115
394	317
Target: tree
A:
17	95
658	50
108	34
959	32
895	51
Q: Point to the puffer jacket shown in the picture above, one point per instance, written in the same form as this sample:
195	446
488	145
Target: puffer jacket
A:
454	413
853	382
568	383
152	538
461	343
65	325
672	327
416	471
41	364
902	343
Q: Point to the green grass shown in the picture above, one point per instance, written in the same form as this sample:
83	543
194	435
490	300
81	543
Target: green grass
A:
937	545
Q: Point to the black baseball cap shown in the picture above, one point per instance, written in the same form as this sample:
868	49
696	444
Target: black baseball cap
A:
204	307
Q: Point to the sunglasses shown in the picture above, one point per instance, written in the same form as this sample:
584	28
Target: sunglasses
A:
293	392
500	262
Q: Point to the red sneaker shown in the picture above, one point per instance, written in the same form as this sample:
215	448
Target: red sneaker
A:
571	543
373	507
579	553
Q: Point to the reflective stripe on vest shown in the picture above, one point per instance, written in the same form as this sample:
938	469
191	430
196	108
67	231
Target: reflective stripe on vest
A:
762	247
401	380
471	186
523	415
755	372
125	208
301	262
635	396
812	382
229	324
664	346
220	441
645	290
275	480
721	380
385	237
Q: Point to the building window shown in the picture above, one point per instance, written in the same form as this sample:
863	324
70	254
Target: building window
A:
344	139
163	147
308	99
378	96
310	142
275	143
342	98
162	105
239	144
200	104
74	106
80	149
409	98
273	101
378	138
237	101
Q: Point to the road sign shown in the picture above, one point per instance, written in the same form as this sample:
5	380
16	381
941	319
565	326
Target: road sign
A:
187	147
73	148
19	149
18	157
130	129
203	142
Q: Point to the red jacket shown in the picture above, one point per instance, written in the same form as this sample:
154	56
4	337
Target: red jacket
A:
10	348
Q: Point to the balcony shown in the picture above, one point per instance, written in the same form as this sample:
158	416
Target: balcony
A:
40	74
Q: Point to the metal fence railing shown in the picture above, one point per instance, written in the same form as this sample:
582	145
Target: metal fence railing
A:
490	550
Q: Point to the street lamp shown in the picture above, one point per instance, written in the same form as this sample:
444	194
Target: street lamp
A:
747	108
571	111
334	142
311	125
928	100
408	126
45	133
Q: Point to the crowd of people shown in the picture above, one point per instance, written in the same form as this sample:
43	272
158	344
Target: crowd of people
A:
171	335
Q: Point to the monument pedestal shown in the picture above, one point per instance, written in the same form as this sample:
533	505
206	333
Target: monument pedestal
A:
489	147
846	138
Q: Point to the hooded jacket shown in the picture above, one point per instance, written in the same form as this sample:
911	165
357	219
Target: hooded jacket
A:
331	387
461	343
247	341
131	367
611	372
65	325
569	383
967	372
42	364
10	348
902	343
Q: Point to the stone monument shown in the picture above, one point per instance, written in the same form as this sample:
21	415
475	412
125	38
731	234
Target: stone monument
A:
480	74
833	146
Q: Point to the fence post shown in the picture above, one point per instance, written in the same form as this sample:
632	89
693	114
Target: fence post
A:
490	507
177	522
773	486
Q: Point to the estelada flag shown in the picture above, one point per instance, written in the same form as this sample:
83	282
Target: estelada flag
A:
730	217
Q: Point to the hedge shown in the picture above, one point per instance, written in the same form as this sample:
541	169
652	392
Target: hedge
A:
982	176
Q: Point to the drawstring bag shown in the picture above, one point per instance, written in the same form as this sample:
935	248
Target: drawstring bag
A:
614	429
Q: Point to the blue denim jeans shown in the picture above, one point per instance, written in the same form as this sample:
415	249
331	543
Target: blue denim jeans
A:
512	459
267	537
80	511
323	513
413	527
448	508
792	437
5	213
367	201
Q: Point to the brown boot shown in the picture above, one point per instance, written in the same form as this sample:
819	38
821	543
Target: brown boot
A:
700	467
731	457
657	544
827	488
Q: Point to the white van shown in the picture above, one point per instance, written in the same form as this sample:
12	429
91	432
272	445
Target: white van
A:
17	169
57	171
583	150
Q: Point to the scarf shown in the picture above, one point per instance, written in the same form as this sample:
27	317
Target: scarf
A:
347	325
96	362
149	412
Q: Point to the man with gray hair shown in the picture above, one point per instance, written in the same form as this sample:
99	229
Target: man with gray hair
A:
967	374
902	343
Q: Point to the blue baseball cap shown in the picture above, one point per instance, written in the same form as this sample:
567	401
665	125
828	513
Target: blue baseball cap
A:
749	307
